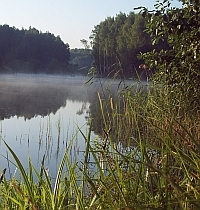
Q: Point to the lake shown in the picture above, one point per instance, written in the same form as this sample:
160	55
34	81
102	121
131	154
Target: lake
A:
41	114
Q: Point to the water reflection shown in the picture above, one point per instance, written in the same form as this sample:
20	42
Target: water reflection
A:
33	95
40	114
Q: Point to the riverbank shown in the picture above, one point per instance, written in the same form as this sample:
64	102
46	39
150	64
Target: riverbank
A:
148	158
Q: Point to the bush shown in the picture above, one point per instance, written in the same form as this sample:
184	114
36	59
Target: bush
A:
177	68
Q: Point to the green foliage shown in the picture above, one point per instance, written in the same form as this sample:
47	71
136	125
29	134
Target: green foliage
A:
157	166
147	157
177	67
81	59
32	51
116	42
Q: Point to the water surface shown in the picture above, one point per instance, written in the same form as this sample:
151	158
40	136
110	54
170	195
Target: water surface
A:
40	115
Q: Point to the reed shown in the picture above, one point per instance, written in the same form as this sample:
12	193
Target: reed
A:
147	158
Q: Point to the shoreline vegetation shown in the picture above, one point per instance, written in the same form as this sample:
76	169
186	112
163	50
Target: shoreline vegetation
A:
148	156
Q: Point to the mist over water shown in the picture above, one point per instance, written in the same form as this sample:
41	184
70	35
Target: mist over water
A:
40	115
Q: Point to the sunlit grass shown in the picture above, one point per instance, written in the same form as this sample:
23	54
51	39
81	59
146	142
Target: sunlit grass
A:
147	158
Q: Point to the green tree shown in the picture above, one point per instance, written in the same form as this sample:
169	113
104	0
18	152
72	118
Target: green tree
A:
8	44
116	42
32	50
178	68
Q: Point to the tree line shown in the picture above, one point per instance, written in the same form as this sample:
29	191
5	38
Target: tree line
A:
30	50
117	41
81	59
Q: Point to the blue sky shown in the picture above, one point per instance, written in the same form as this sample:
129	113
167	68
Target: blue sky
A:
72	20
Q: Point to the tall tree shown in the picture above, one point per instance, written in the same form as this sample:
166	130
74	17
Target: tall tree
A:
117	41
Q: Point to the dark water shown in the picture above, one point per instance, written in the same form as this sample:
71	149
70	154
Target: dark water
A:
40	115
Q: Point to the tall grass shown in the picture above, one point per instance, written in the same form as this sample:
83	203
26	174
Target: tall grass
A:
147	158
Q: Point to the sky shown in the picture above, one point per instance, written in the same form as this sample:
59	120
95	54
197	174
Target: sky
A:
72	20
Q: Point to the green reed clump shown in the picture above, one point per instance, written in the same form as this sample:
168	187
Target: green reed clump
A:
147	158
162	155
37	190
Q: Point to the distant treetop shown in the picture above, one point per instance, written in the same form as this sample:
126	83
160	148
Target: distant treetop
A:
30	50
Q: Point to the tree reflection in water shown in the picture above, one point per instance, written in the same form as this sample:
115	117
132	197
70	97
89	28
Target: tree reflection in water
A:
39	115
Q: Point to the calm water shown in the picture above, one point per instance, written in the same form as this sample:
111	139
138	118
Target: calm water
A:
40	114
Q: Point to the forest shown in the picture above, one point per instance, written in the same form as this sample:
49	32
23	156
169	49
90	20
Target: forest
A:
117	42
81	61
32	51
